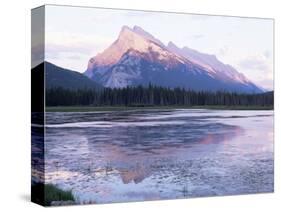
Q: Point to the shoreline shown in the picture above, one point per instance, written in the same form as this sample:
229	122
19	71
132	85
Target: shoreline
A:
127	108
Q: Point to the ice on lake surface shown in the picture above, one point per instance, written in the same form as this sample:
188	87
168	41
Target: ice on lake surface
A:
159	154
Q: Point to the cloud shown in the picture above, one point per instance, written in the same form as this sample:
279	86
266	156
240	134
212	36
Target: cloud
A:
74	42
267	84
267	54
74	57
73	50
195	36
198	36
257	62
223	50
258	67
70	47
55	49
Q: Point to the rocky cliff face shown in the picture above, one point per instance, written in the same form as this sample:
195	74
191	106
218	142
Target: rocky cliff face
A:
138	58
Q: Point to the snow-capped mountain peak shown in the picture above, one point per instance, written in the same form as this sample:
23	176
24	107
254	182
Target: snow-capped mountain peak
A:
137	57
147	35
131	39
128	39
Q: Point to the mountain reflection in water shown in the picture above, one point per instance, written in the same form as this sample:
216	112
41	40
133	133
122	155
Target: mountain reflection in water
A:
159	154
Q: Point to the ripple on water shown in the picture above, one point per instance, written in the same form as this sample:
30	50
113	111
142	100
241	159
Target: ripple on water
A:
145	155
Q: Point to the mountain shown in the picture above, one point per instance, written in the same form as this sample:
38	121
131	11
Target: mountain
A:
56	76
138	58
210	62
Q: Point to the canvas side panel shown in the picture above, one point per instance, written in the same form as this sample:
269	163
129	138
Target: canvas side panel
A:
37	104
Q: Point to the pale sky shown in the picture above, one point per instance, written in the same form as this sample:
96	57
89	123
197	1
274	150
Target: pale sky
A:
75	34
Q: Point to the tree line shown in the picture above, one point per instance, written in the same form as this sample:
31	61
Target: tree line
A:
153	96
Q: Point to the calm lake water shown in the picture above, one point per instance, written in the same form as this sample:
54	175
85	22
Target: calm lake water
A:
159	154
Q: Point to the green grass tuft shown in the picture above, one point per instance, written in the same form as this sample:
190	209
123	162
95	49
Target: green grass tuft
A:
46	194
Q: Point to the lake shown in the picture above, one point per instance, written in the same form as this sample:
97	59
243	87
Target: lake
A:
152	154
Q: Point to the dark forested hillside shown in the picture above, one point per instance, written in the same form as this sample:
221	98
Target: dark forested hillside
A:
153	96
56	76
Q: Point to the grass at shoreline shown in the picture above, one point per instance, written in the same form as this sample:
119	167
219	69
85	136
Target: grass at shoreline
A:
124	108
45	194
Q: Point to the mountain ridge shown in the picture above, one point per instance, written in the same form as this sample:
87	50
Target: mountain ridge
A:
56	76
138	58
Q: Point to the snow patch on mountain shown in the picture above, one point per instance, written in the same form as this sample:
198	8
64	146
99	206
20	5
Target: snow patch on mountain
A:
138	57
147	35
210	63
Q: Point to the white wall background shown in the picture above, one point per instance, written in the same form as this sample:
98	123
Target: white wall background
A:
15	104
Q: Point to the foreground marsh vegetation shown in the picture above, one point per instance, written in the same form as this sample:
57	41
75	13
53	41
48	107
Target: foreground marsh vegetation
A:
50	194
